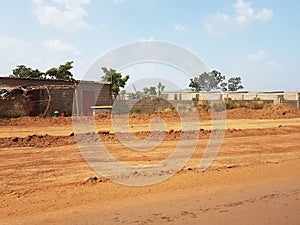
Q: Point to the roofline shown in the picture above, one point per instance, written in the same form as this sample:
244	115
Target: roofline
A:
58	80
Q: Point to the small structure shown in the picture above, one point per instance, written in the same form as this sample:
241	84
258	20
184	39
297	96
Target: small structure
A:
35	97
101	109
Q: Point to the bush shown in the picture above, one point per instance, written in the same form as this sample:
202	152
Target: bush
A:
230	104
250	104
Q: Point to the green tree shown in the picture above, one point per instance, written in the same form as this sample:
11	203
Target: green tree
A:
62	72
208	81
150	90
160	88
223	86
51	73
146	90
115	78
26	72
234	84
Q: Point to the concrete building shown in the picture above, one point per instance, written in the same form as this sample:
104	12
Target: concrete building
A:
291	98
186	97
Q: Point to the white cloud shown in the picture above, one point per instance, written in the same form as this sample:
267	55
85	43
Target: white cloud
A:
264	15
64	14
260	56
119	1
72	3
243	17
56	52
57	46
243	8
13	51
149	39
8	42
179	28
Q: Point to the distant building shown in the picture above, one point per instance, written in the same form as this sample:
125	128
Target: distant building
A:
186	97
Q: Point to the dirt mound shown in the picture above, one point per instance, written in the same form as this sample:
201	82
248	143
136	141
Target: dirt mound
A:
36	141
102	116
239	113
107	137
279	111
35	121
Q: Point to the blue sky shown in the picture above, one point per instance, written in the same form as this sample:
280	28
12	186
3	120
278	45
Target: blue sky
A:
256	40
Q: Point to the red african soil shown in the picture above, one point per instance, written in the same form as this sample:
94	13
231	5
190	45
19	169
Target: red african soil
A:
255	178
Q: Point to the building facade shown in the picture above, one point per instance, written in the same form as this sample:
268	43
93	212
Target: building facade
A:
45	96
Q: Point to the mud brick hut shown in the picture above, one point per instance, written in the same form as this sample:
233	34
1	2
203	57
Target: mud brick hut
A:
35	97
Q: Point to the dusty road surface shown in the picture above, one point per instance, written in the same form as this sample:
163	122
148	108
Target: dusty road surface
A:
255	178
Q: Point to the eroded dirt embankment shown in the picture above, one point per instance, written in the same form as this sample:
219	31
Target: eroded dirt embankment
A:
53	141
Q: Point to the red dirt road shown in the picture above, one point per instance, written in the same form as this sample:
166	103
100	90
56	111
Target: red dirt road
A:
255	178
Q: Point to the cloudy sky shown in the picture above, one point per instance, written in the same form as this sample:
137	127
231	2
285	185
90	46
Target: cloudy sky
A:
256	40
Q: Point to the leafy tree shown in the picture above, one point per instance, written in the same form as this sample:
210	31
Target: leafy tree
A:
160	88
224	86
234	84
115	79
218	77
51	73
146	90
208	81
152	91
26	72
62	72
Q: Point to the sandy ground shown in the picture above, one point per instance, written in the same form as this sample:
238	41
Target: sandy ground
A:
255	178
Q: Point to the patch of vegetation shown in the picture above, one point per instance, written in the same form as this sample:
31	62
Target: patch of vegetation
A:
4	114
230	104
250	104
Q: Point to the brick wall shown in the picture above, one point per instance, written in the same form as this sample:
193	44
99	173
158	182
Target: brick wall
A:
61	100
91	94
63	94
